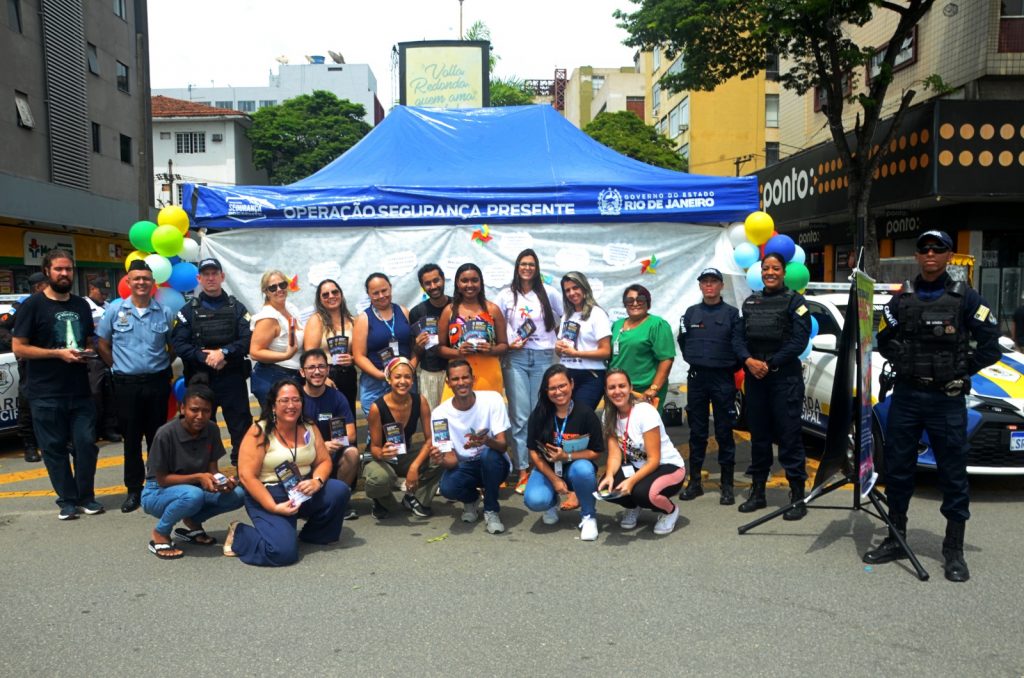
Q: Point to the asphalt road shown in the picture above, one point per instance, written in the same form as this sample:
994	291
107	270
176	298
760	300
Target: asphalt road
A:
437	597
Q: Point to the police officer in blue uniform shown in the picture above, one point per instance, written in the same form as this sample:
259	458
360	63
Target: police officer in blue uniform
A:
707	332
925	334
211	334
776	329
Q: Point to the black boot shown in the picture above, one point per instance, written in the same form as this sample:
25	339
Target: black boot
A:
796	493
756	499
32	454
727	498
890	549
953	552
693	488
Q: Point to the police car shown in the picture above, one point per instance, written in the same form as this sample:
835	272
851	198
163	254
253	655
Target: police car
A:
995	415
8	375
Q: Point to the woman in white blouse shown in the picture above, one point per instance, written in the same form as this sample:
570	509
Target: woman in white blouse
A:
276	337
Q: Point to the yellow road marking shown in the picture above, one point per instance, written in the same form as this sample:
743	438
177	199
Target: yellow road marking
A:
37	473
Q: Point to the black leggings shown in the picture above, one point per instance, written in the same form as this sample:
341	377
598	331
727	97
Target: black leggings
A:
653	491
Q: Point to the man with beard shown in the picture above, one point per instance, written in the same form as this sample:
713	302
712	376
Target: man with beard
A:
431	367
51	333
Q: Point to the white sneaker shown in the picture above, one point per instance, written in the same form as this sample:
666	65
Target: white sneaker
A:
588	529
550	516
629	518
666	522
493	522
471	511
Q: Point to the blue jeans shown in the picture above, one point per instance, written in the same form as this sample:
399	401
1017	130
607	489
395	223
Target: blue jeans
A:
523	369
588	386
265	376
486	471
57	422
369	390
581	479
177	502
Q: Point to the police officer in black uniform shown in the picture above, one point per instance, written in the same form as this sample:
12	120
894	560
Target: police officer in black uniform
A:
925	334
707	332
211	334
776	329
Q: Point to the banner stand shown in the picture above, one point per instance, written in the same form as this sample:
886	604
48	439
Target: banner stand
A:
849	461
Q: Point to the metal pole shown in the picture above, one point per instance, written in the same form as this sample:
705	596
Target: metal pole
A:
461	34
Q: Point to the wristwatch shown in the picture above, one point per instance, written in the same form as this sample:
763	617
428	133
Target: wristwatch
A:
569	455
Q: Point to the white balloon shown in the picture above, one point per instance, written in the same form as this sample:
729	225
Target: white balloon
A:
737	234
189	250
799	256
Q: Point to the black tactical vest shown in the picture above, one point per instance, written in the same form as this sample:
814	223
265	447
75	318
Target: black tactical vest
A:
214	328
707	341
933	334
767	322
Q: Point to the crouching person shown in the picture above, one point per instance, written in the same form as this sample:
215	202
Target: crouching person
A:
183	483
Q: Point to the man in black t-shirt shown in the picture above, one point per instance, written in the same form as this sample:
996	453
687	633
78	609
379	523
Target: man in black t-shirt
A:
431	367
52	331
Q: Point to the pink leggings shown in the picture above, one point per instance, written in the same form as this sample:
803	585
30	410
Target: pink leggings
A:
653	492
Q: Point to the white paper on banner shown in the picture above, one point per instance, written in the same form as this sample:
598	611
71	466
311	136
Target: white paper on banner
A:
619	254
324	270
572	259
450	265
398	264
596	286
497	276
511	243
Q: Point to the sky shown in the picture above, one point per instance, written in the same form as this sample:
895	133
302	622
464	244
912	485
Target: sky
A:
236	42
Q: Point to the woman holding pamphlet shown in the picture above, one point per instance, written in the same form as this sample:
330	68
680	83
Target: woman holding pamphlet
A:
584	339
565	442
393	420
473	329
531	311
644	468
285	470
276	337
379	334
330	328
643	346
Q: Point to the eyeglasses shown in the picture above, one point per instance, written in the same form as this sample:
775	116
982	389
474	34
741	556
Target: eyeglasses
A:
282	286
330	293
315	368
937	249
634	301
557	387
527	264
289	401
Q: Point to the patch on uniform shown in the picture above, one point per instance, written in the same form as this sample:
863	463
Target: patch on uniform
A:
246	316
881	323
181	317
801	310
982	314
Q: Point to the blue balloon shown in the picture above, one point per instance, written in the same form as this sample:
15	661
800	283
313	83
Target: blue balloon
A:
754	277
183	276
170	298
173	260
780	244
814	327
799	256
745	255
807	351
179	389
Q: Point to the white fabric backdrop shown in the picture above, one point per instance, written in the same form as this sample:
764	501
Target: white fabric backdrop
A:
609	254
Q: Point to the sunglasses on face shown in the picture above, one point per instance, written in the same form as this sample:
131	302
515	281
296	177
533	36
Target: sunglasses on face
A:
281	286
937	249
634	301
330	293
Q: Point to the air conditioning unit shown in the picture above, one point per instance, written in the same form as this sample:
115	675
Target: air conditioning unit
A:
683	128
218	137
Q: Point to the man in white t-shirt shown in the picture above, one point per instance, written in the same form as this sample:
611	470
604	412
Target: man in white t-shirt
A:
476	425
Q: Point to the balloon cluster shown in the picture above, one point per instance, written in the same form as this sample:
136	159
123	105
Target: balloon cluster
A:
168	252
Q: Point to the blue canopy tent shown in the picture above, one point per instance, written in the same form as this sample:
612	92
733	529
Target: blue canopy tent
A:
517	164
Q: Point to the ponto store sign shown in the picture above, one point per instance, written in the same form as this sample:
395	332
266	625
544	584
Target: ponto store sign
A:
797	185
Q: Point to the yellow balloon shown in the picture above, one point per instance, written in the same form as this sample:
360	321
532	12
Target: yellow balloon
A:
759	227
172	215
137	254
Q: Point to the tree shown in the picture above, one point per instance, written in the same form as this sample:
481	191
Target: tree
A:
302	135
726	38
626	133
508	91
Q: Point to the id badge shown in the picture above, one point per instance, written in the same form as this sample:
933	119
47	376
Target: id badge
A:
615	347
558	469
628	471
393	345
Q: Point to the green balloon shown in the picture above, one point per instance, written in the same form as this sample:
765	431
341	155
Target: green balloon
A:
141	235
797	276
167	241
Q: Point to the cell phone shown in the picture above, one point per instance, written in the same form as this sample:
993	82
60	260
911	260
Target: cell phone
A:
220	479
87	353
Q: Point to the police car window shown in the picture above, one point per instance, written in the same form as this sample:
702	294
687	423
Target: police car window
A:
826	323
875	318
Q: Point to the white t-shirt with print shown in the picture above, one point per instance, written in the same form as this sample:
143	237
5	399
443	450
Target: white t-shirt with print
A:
280	342
487	414
592	330
641	419
517	308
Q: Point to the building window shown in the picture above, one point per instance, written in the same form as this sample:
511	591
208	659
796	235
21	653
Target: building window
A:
820	100
1011	26
164	136
96	137
635	105
122	78
655	98
771	67
223	104
121	9
656	57
14	15
771	152
267	102
771	110
93	58
684	151
596	83
24	110
906	56
247	106
190	142
126	149
677	65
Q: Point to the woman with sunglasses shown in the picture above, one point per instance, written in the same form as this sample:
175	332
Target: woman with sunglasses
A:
776	329
565	443
473	329
531	311
330	329
379	335
276	337
643	346
584	339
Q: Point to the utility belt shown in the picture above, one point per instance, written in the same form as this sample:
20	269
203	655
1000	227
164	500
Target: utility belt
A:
952	388
141	378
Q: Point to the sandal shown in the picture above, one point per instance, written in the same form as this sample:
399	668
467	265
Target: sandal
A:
198	536
230	540
571	502
161	550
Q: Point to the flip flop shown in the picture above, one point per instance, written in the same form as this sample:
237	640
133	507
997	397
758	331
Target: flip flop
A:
229	540
571	502
195	536
159	549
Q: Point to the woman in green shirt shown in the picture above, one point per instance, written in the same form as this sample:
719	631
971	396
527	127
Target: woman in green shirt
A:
642	346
